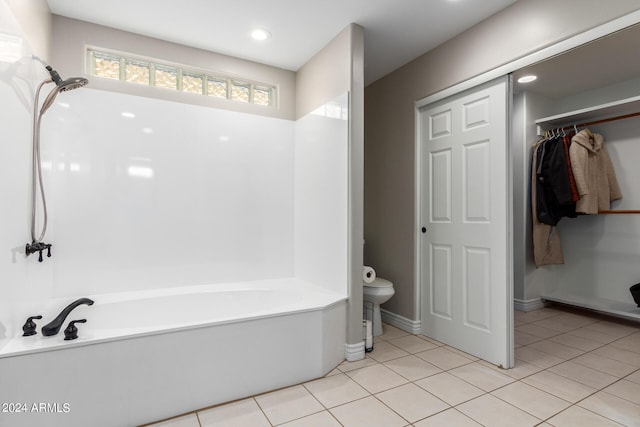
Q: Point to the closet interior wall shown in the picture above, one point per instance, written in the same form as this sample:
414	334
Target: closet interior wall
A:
601	252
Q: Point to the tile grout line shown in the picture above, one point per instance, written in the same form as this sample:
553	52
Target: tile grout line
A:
326	409
375	395
515	380
390	408
262	410
596	390
484	392
489	392
571	359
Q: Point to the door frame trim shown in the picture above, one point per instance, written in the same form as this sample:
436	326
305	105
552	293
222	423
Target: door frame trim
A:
560	47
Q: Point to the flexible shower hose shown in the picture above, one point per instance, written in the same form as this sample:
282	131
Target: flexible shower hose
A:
36	171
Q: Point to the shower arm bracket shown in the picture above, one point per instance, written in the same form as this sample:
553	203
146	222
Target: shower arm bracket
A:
34	247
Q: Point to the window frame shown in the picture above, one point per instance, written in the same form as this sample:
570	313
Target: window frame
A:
182	70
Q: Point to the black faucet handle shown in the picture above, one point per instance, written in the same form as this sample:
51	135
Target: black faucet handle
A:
71	333
29	327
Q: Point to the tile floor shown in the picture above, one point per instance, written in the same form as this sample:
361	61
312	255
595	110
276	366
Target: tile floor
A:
572	369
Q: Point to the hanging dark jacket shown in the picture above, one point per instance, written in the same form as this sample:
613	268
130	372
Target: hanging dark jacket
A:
547	248
553	187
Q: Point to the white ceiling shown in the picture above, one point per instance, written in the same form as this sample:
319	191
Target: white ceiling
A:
607	61
396	31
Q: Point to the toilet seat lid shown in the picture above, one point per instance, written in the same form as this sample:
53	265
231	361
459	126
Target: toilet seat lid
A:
379	282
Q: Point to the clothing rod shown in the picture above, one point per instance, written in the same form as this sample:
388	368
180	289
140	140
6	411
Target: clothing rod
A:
597	122
619	211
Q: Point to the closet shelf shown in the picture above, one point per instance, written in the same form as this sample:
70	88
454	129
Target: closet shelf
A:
627	310
603	111
621	211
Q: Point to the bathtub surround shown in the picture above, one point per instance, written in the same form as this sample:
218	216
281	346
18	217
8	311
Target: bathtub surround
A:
214	201
21	284
336	69
320	220
151	194
176	194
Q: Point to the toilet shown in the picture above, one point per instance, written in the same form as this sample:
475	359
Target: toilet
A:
377	292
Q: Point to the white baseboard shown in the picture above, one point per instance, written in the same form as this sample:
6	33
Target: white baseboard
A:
528	305
415	326
400	322
353	352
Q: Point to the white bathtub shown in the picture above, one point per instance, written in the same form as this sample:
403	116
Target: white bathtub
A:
150	355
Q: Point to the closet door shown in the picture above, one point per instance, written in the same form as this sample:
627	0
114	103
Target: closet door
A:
465	257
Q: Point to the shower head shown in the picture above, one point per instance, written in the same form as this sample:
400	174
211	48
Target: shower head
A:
62	86
72	83
69	84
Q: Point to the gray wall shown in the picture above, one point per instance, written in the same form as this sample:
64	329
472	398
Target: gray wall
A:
326	75
34	18
523	28
528	280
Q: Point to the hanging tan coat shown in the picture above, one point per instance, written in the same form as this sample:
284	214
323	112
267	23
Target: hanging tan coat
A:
593	172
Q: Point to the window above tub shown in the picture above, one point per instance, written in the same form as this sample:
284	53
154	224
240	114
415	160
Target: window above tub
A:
161	74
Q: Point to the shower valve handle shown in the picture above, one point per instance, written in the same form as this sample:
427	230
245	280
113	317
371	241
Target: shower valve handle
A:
38	247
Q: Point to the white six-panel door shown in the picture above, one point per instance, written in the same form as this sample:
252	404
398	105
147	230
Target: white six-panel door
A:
464	248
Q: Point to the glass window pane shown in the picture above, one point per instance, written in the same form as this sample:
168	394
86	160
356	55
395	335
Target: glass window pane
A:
116	66
107	66
262	96
217	88
137	72
166	77
192	83
240	91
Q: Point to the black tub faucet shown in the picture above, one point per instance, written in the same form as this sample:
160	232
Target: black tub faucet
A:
54	326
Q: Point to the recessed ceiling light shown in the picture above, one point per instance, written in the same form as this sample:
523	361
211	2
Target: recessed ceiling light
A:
260	34
527	79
